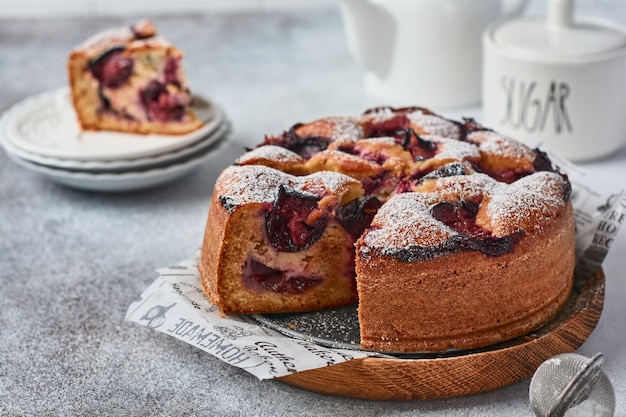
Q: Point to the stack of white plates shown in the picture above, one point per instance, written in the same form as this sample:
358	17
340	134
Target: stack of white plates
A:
41	133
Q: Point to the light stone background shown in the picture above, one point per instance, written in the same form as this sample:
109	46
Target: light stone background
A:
91	8
71	262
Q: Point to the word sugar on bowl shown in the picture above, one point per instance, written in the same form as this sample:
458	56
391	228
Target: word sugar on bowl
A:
557	80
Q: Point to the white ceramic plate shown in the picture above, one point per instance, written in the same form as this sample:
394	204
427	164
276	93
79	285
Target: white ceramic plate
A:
122	164
46	125
120	182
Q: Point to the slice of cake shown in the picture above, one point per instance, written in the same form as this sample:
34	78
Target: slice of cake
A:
280	243
131	80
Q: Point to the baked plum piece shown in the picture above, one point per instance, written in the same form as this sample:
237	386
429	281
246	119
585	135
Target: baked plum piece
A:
112	68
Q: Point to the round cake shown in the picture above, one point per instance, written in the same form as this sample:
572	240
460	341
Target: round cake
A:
448	235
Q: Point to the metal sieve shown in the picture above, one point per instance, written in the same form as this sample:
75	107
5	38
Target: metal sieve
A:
570	385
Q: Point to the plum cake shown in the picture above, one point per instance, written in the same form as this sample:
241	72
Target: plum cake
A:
448	235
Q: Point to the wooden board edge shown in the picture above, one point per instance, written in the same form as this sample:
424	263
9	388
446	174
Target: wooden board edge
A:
424	379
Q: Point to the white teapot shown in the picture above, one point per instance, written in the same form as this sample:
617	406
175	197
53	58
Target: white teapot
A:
421	52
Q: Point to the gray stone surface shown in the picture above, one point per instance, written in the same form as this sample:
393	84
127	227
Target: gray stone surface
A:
71	262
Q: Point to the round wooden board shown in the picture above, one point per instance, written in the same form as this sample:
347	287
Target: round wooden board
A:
466	373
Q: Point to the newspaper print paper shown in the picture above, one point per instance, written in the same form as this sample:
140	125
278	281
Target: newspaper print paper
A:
599	213
175	305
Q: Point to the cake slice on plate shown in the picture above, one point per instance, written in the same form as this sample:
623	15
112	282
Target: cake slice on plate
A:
131	80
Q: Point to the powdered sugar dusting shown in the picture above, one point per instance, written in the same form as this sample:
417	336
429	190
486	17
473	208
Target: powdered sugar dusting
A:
348	131
434	125
527	204
383	141
269	153
250	184
338	161
493	143
405	219
548	184
326	182
451	149
464	187
347	128
339	157
259	184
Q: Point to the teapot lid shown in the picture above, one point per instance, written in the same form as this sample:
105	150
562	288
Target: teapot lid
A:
559	38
